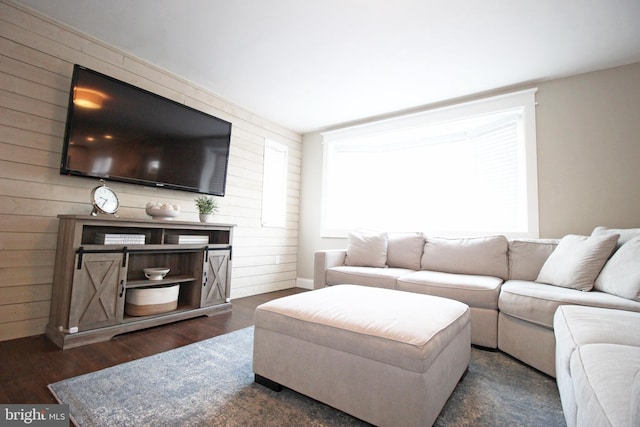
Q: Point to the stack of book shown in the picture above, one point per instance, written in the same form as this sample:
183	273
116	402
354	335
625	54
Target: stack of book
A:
119	239
187	239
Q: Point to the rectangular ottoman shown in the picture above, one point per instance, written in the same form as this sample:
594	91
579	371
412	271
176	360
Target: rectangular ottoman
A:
390	358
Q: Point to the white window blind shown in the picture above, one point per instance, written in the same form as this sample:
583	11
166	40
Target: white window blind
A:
463	170
274	187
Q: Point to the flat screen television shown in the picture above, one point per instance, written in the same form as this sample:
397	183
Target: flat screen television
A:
119	132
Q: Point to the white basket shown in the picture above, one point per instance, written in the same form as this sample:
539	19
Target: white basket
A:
151	300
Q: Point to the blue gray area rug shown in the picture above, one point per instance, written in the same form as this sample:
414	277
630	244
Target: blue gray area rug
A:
210	383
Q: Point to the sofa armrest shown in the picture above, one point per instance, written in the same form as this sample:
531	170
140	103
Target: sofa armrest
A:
322	261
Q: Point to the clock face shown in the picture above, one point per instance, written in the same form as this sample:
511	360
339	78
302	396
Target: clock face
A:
105	199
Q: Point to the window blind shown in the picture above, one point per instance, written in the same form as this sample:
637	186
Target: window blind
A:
467	172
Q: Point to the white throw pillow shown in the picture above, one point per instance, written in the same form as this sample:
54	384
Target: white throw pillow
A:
366	249
626	234
405	250
621	274
577	261
527	256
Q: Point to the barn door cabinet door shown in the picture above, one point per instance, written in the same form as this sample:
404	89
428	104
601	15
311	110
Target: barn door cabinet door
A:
216	278
97	297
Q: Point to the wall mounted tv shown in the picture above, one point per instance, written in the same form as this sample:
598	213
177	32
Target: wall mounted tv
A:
120	132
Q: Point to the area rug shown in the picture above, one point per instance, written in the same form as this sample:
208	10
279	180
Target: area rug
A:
210	383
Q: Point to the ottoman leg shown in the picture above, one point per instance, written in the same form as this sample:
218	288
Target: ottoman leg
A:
267	383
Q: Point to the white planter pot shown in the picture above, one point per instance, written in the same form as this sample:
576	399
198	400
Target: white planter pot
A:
206	217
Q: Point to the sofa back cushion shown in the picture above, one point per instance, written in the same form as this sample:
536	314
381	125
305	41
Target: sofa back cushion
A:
367	249
577	261
621	274
527	256
405	250
484	256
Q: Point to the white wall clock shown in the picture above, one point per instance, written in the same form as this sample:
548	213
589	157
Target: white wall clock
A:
104	200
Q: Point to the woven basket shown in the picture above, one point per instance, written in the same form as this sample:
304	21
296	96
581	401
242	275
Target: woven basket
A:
151	300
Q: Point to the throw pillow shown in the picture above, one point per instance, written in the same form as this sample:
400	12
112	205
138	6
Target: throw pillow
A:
621	274
626	234
405	250
527	256
367	249
577	261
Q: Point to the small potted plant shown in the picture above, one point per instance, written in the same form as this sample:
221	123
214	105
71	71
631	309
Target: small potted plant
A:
207	206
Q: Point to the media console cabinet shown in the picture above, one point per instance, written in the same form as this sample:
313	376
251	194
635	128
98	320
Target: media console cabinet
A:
99	258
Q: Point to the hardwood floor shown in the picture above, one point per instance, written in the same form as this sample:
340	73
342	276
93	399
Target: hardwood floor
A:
28	365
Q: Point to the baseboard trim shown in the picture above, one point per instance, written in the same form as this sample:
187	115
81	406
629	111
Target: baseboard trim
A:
304	283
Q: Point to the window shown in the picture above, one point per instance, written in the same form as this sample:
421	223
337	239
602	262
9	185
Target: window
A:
274	184
468	169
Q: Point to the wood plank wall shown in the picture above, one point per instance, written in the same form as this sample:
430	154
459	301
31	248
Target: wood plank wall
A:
36	62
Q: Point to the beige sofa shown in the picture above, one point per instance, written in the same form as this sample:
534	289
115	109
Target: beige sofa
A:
513	287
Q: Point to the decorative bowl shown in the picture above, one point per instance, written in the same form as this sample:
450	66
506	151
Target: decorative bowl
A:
156	273
162	210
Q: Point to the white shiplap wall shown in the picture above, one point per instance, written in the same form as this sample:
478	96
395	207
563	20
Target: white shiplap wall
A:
36	62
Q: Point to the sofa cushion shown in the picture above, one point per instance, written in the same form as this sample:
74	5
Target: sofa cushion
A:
527	256
621	274
405	250
367	249
473	290
537	302
603	376
577	261
575	326
484	256
625	234
366	276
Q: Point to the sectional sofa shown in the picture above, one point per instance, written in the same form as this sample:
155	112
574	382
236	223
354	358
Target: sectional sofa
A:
512	286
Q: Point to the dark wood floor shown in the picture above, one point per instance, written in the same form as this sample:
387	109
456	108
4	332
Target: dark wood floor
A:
28	365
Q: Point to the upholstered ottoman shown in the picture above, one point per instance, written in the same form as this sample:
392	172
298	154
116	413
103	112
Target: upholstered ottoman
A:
388	357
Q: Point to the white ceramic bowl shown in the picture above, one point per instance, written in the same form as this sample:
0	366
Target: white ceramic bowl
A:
156	273
159	213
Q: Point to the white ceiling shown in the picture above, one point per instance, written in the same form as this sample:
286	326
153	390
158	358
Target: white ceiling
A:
313	64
